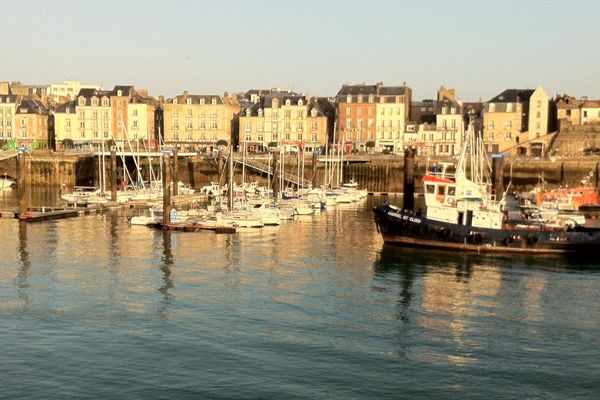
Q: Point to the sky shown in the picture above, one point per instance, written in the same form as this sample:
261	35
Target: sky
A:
479	48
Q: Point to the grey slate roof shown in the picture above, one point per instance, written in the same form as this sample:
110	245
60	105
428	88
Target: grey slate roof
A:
513	96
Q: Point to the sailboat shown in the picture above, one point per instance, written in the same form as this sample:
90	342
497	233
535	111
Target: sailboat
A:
462	213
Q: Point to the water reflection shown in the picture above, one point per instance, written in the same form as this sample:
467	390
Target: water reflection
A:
24	265
167	262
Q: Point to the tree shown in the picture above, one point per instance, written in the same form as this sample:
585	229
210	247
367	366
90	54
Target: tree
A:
222	142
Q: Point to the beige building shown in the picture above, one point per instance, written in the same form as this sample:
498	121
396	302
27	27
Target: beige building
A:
513	118
286	120
568	110
8	109
94	117
31	121
198	121
449	127
590	112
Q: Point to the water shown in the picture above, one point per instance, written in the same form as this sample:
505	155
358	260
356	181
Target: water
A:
318	308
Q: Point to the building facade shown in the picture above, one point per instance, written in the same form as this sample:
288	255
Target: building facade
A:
198	121
8	110
374	115
286	120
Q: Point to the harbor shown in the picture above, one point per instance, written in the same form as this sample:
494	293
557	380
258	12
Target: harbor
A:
317	307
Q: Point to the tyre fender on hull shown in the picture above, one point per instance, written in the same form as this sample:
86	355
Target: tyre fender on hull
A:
476	238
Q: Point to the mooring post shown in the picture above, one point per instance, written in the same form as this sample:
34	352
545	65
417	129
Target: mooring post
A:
498	175
175	173
409	179
113	174
21	182
314	169
166	189
276	173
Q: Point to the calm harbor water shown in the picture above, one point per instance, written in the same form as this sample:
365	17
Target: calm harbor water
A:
316	308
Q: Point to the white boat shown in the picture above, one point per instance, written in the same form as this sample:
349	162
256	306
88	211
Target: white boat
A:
6	182
153	217
80	194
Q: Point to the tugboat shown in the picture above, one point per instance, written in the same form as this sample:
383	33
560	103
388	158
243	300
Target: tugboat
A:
462	213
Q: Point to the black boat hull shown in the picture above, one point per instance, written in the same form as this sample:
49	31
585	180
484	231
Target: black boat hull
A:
405	228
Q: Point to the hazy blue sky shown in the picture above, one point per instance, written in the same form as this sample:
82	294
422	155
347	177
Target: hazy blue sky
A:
477	47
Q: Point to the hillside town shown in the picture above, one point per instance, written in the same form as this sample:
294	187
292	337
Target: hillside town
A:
359	119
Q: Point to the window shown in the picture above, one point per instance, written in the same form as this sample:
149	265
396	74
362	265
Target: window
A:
444	110
509	107
585	114
508	124
202	124
490	125
288	102
348	99
453	124
188	124
287	114
314	125
288	126
453	110
94	114
82	124
213	124
491	107
202	100
539	103
260	127
348	124
370	123
537	114
508	135
188	112
213	101
300	126
491	135
260	112
359	99
104	101
248	126
188	101
94	101
348	111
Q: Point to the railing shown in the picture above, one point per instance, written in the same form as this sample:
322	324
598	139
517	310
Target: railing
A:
268	169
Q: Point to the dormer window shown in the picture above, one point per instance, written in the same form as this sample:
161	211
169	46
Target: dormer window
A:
94	101
188	101
260	112
68	110
313	112
509	107
213	101
105	101
371	98
275	103
81	102
175	100
119	93
247	112
288	102
300	102
202	100
453	110
359	98
444	110
348	99
492	107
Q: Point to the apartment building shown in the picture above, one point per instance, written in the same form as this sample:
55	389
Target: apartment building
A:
513	118
286	120
8	110
94	117
198	121
372	113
